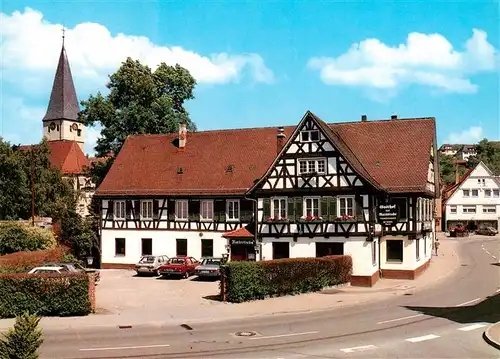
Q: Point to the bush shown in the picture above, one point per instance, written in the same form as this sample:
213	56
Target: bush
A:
22	341
246	281
44	294
18	236
23	261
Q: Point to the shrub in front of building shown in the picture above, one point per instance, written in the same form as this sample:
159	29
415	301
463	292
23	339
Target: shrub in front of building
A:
45	294
245	281
24	261
17	236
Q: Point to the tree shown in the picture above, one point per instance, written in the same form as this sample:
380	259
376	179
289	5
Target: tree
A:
489	153
23	340
139	101
447	169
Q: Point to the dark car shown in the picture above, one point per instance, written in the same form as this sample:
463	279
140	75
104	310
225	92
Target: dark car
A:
74	267
179	267
209	268
487	231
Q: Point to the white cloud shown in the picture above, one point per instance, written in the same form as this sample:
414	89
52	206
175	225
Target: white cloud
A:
20	119
30	47
425	59
91	136
471	135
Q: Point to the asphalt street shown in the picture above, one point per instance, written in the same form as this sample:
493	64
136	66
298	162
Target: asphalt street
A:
440	321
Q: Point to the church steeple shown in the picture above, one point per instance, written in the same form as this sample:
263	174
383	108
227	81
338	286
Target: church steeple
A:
63	103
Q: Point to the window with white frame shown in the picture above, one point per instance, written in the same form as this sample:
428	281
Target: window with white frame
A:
346	206
475	193
147	209
453	209
469	209
487	193
119	211
489	209
419	209
496	193
181	210
317	165
309	136
466	193
279	207
233	210
206	210
311	206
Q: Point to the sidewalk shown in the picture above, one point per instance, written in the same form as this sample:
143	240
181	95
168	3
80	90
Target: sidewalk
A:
212	311
492	335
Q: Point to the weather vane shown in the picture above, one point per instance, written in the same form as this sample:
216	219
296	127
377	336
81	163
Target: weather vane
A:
63	34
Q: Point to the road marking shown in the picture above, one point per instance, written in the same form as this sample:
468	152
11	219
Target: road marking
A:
360	349
472	327
423	338
125	348
498	290
398	319
488	252
469	302
282	335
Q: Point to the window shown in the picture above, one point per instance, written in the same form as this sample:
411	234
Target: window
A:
402	207
146	246
119	246
346	206
120	210
181	210
281	250
279	207
207	247
466	192
487	192
312	166
309	136
374	253
496	193
394	250
311	206
469	209
489	209
147	209
453	209
181	247
417	246
207	210
233	210
475	193
324	249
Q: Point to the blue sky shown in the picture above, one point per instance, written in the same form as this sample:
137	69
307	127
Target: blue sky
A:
265	63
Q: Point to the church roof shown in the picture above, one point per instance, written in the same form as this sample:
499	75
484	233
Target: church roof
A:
63	103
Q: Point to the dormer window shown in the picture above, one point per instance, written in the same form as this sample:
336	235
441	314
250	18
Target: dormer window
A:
309	136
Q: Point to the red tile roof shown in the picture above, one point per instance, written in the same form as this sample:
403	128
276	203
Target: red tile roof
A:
242	232
391	153
66	156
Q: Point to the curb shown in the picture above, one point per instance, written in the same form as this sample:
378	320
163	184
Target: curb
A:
488	338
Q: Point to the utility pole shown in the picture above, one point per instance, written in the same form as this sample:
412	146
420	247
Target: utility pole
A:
32	189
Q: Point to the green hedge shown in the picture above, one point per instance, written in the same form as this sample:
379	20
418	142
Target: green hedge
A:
18	236
246	281
21	262
44	294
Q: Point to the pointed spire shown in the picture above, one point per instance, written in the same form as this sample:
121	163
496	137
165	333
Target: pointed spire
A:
63	103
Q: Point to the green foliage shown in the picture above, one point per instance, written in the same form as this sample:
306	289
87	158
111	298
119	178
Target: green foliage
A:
257	280
21	262
489	153
139	101
19	236
44	294
24	340
447	169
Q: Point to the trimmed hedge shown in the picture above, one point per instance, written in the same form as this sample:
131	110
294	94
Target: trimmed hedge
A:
18	236
44	294
246	281
21	262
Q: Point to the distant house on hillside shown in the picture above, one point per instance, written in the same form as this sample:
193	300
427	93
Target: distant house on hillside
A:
459	151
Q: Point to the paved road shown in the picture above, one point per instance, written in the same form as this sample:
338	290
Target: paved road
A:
444	321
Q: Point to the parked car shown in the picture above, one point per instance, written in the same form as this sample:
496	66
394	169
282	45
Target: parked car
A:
49	270
487	231
74	267
179	266
209	268
150	264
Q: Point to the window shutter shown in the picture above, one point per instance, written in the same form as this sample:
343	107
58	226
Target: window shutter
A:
299	205
128	210
156	209
291	209
137	209
246	213
111	208
358	203
194	210
266	208
220	210
171	210
332	210
324	207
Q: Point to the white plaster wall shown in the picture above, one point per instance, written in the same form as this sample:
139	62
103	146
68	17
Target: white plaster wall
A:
164	242
64	132
409	254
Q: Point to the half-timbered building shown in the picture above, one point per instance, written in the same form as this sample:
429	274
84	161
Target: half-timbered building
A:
314	189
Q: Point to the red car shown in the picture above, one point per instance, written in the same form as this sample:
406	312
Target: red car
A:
179	266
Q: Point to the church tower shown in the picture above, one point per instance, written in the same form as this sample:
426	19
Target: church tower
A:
61	123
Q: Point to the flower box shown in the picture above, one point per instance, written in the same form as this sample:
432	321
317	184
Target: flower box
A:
310	219
275	220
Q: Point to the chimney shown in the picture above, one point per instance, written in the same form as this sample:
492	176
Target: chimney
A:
363	118
394	117
280	139
182	136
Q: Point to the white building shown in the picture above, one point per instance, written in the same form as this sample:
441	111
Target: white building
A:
475	199
315	189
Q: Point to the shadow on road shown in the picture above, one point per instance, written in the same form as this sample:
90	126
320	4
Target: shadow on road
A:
486	311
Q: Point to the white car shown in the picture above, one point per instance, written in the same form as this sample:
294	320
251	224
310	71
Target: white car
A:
45	270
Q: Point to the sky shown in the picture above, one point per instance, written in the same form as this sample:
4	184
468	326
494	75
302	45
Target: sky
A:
264	63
